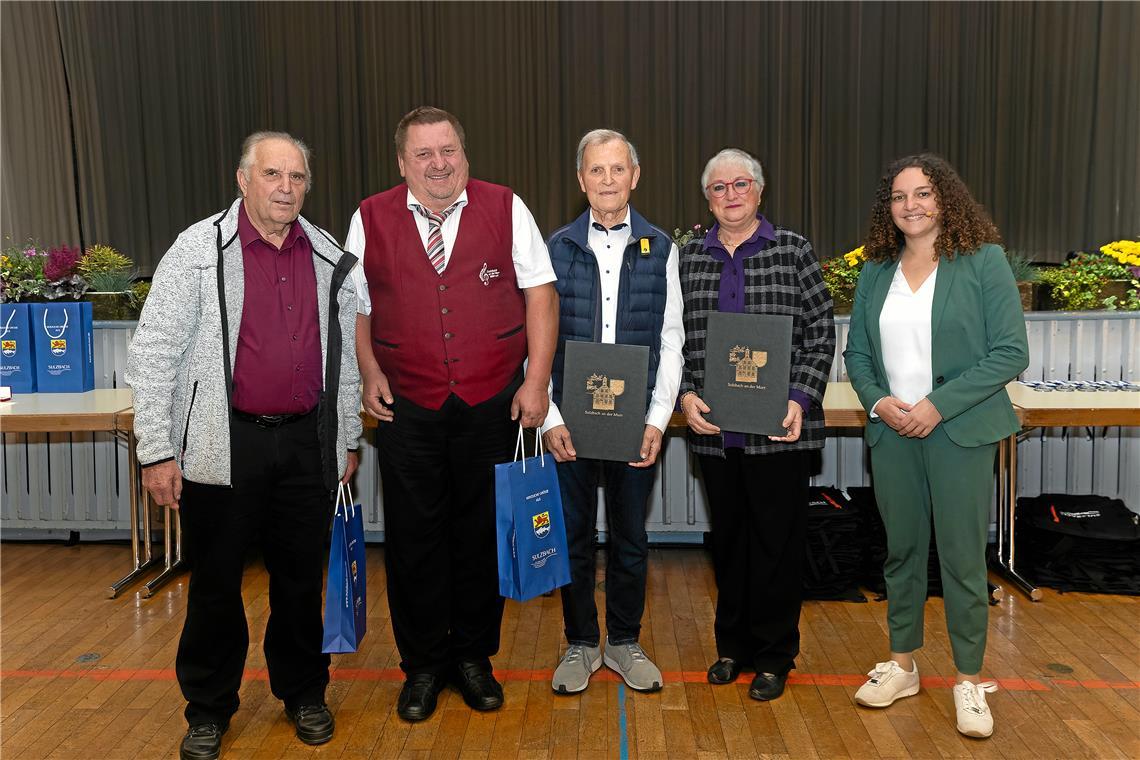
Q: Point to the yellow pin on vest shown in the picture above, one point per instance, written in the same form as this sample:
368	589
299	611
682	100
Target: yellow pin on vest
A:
645	246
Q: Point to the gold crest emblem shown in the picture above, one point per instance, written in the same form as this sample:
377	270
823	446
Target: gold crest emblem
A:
541	523
605	391
747	362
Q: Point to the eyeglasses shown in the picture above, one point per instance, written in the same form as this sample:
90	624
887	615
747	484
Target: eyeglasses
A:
741	185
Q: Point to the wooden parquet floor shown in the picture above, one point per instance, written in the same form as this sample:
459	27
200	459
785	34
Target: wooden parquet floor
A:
82	676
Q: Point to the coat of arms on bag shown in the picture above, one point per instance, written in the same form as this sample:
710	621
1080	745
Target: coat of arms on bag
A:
541	524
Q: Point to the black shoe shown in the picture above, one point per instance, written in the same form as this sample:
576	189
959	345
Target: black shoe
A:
418	697
725	670
767	686
479	688
203	742
314	723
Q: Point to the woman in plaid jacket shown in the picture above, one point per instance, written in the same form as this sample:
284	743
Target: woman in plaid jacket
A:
757	486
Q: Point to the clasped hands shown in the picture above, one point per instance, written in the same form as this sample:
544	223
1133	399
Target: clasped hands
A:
909	420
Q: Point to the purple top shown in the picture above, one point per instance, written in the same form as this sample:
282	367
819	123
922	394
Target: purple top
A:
278	364
731	298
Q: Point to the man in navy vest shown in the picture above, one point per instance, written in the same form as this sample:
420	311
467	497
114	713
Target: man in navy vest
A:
460	294
617	283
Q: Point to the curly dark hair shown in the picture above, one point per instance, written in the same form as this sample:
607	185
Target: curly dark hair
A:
965	224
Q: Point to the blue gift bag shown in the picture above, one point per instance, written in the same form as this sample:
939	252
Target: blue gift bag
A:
17	365
346	600
531	530
64	350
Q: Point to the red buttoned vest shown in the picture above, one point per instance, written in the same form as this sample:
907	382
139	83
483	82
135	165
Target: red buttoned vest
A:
462	332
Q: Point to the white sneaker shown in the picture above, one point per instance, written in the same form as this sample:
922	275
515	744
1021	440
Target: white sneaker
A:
579	662
888	682
974	717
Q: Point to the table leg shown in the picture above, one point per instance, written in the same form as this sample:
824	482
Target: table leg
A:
141	556
171	522
1007	504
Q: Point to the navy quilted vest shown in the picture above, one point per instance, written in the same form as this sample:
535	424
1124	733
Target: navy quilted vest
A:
641	291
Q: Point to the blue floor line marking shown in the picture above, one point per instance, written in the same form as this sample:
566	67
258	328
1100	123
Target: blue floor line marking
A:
623	746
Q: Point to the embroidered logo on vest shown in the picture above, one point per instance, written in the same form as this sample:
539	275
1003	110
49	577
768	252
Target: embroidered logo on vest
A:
486	274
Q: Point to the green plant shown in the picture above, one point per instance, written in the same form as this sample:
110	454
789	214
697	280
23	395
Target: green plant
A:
1130	301
1100	265
681	239
1022	266
840	273
1080	282
106	270
139	291
28	272
116	281
22	271
1073	288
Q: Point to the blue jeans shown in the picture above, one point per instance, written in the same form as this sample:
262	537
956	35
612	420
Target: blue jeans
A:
627	496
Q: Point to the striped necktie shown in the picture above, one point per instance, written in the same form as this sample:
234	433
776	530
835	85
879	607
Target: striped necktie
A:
435	250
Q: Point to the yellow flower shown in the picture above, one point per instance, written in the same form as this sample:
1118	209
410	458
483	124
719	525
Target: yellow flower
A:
853	258
1124	251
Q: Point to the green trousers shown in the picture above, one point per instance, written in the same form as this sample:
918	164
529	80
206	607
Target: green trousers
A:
916	479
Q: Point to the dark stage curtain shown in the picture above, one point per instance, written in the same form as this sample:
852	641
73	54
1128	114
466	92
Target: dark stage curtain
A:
122	122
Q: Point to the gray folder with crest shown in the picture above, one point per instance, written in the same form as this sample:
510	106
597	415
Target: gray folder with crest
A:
604	399
747	367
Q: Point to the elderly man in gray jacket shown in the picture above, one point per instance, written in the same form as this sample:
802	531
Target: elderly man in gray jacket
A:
247	398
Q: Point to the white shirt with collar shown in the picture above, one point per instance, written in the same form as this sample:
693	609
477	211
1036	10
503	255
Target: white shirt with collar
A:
904	330
528	251
608	247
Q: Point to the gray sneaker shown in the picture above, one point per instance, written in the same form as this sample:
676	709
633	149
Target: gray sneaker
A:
578	663
630	662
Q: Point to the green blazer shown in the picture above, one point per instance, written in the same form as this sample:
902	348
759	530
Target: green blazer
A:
978	345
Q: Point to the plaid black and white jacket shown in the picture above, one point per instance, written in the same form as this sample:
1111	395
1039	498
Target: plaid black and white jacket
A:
785	279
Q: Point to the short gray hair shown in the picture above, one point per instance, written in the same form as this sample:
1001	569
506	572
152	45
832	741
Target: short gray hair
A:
598	137
257	138
733	156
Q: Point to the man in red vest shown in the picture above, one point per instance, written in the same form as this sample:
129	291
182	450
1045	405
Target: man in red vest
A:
461	292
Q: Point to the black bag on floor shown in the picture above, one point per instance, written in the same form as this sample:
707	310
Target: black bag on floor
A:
834	552
1079	543
874	539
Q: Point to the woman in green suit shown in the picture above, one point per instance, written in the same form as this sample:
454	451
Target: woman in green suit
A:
936	333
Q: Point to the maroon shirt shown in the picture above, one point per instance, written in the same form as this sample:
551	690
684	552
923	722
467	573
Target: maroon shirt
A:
278	365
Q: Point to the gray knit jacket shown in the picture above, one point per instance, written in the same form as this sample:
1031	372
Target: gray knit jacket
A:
180	362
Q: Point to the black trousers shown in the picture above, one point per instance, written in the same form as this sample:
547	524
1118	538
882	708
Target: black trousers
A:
437	469
279	498
758	506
